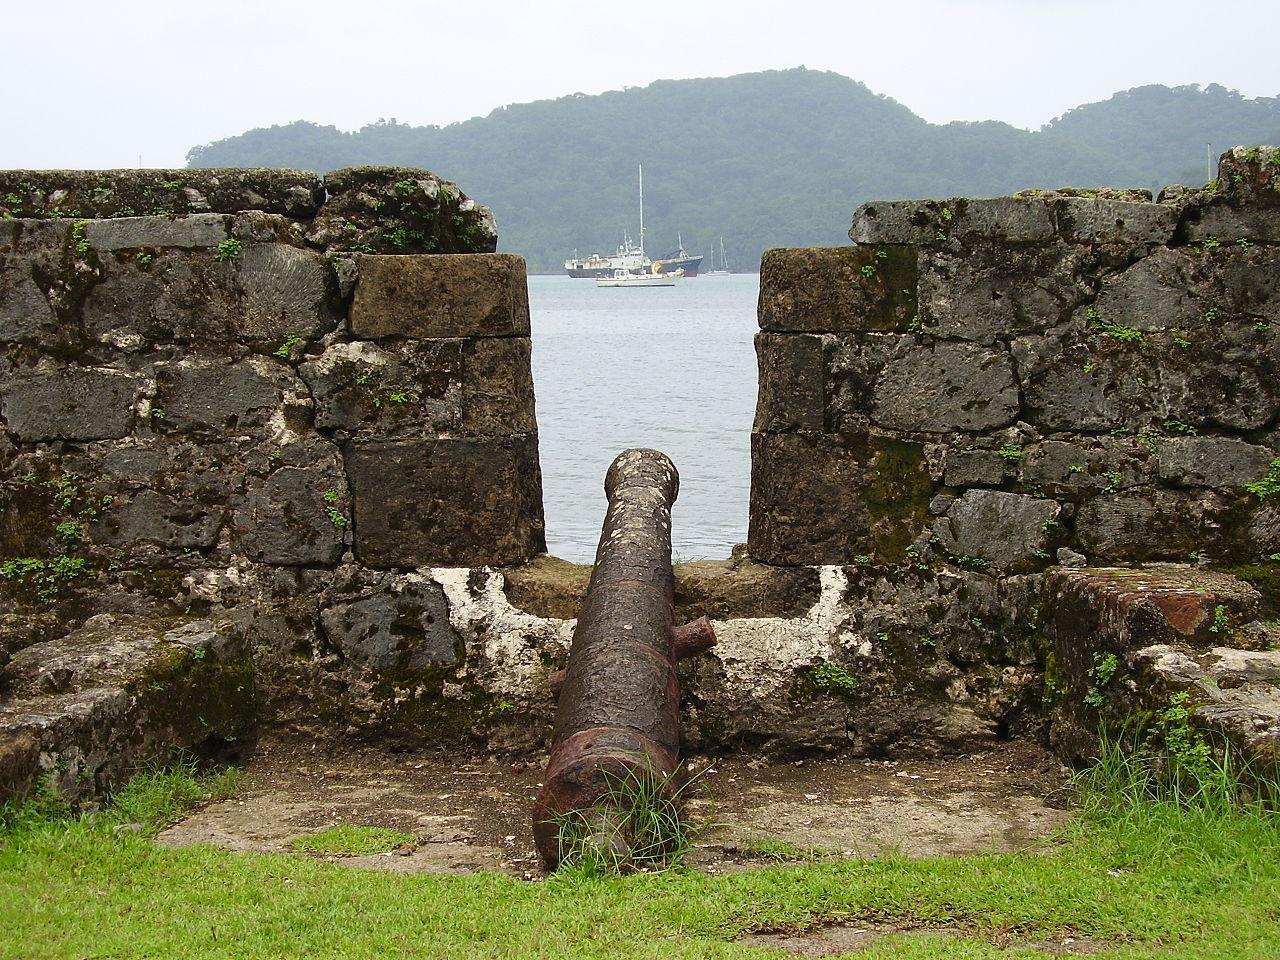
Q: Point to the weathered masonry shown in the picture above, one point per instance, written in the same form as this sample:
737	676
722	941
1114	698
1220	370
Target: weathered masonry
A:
254	399
980	395
270	461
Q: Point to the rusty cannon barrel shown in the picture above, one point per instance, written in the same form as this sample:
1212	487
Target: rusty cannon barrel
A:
618	717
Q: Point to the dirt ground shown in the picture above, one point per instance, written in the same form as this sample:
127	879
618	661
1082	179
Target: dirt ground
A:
471	814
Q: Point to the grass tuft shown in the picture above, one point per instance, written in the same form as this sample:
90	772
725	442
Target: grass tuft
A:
152	799
639	825
159	797
1173	765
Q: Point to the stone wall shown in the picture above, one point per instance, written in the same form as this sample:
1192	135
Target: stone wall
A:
236	411
998	384
254	396
980	394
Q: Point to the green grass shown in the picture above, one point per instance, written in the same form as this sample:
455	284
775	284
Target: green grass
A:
346	838
1150	867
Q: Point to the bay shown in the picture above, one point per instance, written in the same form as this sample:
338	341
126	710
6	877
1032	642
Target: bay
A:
672	368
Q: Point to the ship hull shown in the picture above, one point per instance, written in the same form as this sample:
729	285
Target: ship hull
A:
689	265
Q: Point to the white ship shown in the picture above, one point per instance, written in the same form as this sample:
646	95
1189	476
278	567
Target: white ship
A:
629	257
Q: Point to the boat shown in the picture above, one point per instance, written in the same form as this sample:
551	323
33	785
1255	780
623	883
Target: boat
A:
623	278
631	258
687	263
723	269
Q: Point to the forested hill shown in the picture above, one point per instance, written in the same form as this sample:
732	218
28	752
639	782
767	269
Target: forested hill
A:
779	158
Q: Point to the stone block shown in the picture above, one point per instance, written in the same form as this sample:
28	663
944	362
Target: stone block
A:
1119	635
547	586
400	210
295	517
396	390
25	311
1034	217
195	232
825	498
69	403
924	222
837	289
1228	224
1006	219
718	589
178	296
169	523
88	710
896	221
394	625
481	295
1093	220
732	589
1249	280
1230	380
967	468
791	383
994	290
446	502
805	507
1007	530
1222	462
220	399
266	295
1068	464
99	194
1156	293
1081	379
941	386
24	307
1233	695
284	292
254	226
1145	523
497	387
1250	176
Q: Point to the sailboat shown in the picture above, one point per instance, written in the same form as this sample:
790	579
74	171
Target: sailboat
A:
723	269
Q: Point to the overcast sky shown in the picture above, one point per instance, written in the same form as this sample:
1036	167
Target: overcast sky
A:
97	83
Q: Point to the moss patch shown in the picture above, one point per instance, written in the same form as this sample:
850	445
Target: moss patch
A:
1263	577
897	497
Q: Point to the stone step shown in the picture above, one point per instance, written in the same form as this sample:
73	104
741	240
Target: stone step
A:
1234	693
1125	642
82	713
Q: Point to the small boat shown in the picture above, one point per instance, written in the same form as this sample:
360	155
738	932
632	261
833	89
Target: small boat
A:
723	269
621	278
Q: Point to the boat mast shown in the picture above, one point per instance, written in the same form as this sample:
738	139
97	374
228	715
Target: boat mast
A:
640	167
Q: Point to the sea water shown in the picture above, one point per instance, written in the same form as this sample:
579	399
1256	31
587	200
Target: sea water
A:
666	367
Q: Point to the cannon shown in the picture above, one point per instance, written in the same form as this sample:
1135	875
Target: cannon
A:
618	716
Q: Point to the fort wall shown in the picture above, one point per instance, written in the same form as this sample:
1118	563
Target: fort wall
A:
270	462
